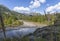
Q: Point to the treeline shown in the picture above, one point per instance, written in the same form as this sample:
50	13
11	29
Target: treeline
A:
11	20
46	18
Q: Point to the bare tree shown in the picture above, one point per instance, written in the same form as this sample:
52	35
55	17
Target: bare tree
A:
48	19
2	23
45	15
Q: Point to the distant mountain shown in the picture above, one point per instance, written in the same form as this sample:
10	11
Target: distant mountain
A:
7	11
4	9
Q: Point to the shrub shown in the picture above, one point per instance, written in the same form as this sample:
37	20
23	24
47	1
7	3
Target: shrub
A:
17	23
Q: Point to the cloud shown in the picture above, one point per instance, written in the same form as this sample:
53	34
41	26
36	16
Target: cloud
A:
36	3
53	8
21	9
42	1
33	4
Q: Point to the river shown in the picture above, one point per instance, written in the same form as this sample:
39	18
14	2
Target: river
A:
17	32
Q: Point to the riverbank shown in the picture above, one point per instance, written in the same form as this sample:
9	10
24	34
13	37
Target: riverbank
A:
30	23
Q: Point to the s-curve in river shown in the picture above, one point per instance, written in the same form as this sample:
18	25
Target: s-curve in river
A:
17	31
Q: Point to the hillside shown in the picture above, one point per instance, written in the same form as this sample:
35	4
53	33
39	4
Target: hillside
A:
10	17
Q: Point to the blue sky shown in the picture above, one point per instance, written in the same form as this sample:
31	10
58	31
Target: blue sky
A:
32	5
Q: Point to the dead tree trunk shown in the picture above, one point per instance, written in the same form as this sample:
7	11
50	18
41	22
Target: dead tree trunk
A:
51	34
2	24
46	16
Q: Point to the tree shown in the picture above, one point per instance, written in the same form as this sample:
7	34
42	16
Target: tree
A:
2	23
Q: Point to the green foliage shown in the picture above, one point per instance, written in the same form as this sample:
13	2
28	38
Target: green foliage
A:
40	39
39	18
25	39
17	23
11	19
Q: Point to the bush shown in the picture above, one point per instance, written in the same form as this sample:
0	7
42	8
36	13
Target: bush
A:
17	23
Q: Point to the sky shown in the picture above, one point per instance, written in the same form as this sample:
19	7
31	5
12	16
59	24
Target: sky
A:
32	5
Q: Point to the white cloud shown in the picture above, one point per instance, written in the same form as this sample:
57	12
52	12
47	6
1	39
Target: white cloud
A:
36	3
52	8
21	8
42	1
33	4
58	6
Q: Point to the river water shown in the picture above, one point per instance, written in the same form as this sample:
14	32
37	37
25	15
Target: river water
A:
17	32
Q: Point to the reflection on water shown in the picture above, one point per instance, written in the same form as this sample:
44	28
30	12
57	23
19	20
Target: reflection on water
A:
18	33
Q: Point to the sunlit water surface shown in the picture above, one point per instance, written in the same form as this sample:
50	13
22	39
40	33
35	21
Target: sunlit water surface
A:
17	32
